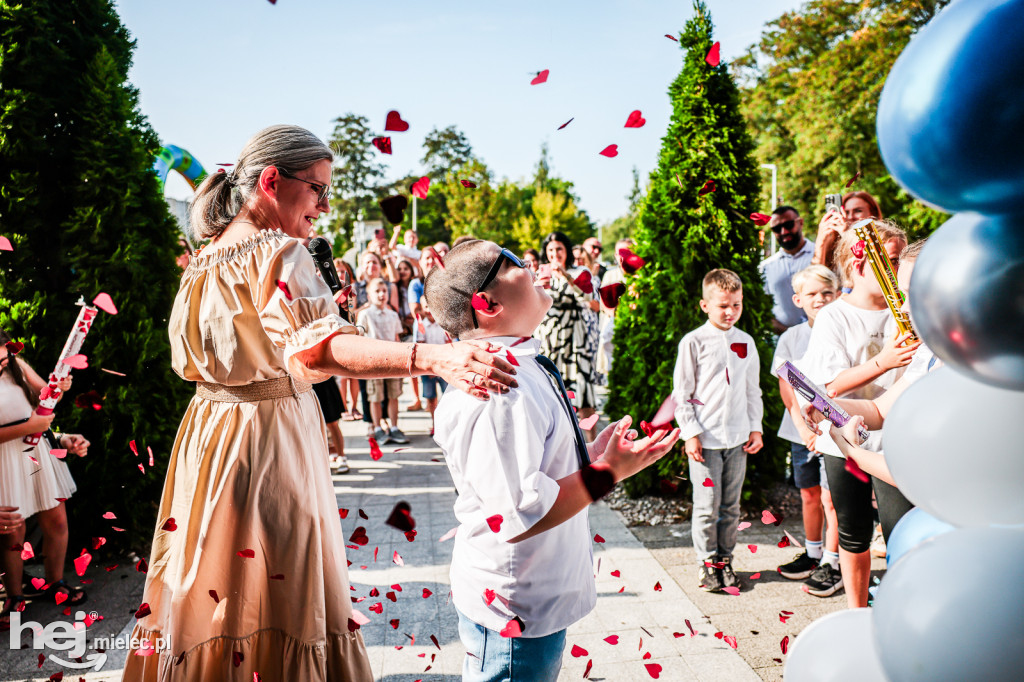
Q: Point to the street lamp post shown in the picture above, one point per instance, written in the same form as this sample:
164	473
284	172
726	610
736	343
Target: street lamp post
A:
775	194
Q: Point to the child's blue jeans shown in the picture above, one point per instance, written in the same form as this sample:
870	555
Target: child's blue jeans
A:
493	658
716	508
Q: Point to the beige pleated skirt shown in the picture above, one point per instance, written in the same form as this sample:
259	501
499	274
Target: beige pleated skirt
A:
250	576
32	486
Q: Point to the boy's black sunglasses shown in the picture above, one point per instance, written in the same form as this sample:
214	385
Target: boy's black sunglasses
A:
503	255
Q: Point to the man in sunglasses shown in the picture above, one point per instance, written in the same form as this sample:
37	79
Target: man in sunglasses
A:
794	254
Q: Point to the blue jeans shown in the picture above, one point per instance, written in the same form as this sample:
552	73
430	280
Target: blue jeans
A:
716	509
430	384
493	658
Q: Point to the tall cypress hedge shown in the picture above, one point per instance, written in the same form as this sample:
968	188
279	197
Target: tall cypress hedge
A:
682	236
81	205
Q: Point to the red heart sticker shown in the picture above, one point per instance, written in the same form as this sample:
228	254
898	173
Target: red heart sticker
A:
541	77
708	483
635	120
383	144
420	187
610	151
494	522
739	349
394	122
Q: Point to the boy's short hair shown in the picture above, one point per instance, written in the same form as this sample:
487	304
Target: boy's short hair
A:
819	272
449	290
911	253
721	279
372	284
886	229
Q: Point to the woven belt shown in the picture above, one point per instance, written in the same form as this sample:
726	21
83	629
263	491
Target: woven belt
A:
281	387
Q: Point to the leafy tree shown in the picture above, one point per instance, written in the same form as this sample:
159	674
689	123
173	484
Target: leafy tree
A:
445	151
682	235
623	226
812	86
551	211
82	206
357	175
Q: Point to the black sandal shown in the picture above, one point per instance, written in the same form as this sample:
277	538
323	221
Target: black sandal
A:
76	595
14	602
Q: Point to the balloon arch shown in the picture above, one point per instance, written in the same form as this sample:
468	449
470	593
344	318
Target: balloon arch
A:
174	158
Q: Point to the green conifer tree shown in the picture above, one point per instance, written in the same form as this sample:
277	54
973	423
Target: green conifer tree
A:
81	204
682	235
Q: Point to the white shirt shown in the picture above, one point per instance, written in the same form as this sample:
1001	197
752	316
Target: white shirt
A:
506	456
924	361
382	324
792	346
406	251
432	332
777	271
846	336
709	369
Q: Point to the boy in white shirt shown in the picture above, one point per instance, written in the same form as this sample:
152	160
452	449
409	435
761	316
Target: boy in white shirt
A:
814	287
382	323
522	565
432	385
718	408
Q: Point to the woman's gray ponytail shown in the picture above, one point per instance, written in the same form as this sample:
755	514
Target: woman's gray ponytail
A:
222	195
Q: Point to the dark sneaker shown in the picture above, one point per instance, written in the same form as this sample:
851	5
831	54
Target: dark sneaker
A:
379	434
395	435
709	579
824	582
799	568
729	578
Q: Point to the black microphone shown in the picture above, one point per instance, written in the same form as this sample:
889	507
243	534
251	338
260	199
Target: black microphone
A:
320	250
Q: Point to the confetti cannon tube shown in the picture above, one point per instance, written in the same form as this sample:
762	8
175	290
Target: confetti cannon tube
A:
882	267
51	394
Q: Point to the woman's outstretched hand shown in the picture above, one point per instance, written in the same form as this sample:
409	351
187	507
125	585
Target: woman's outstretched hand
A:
470	366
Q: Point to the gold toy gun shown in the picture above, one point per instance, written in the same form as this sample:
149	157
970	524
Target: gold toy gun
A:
879	259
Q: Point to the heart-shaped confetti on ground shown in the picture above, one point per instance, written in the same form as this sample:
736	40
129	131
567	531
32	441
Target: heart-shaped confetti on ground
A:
730	640
734	591
616	573
653	669
541	77
784	644
397	559
577	651
612	639
105	303
598	539
767	517
752	548
394	122
26	551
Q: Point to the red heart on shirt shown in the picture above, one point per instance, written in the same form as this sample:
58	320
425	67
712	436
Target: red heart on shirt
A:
494	522
739	349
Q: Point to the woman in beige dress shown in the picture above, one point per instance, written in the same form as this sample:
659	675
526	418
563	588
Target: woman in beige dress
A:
248	572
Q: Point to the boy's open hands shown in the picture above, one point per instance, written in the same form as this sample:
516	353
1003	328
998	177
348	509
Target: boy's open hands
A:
625	456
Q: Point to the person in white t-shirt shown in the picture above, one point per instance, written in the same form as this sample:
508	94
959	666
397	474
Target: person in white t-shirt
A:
522	566
716	386
408	248
855	352
872	413
815	287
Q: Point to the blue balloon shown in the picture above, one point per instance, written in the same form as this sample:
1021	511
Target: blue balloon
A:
951	117
915	527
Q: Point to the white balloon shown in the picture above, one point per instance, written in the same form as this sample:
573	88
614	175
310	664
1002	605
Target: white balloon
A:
954	450
838	647
938	618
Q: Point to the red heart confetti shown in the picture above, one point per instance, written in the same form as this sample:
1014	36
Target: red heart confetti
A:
375	453
541	77
489	596
77	361
143	611
598	539
105	303
343	513
760	218
420	187
169	525
394	623
734	591
585	281
363	515
848	183
693	633
213	593
708	188
657	586
610	151
666	413
635	120
784	542
479	303
5	244
142	566
708	483
755	576
672	37
731	641
377	608
694	401
397	559
586	672
511	359
858	249
247	554
630	261
784	645
383	144
739	349
283	286
494	522
14	347
567	123
59	453
611	293
60	597
394	122
401	517
713	57
512	629
468	184
752	548
277	576
26	551
616	573
588	423
426	593
854	469
653	669
359	537
578	651
237	657
38	583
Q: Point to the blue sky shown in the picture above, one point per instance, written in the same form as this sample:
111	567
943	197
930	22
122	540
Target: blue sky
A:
213	72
